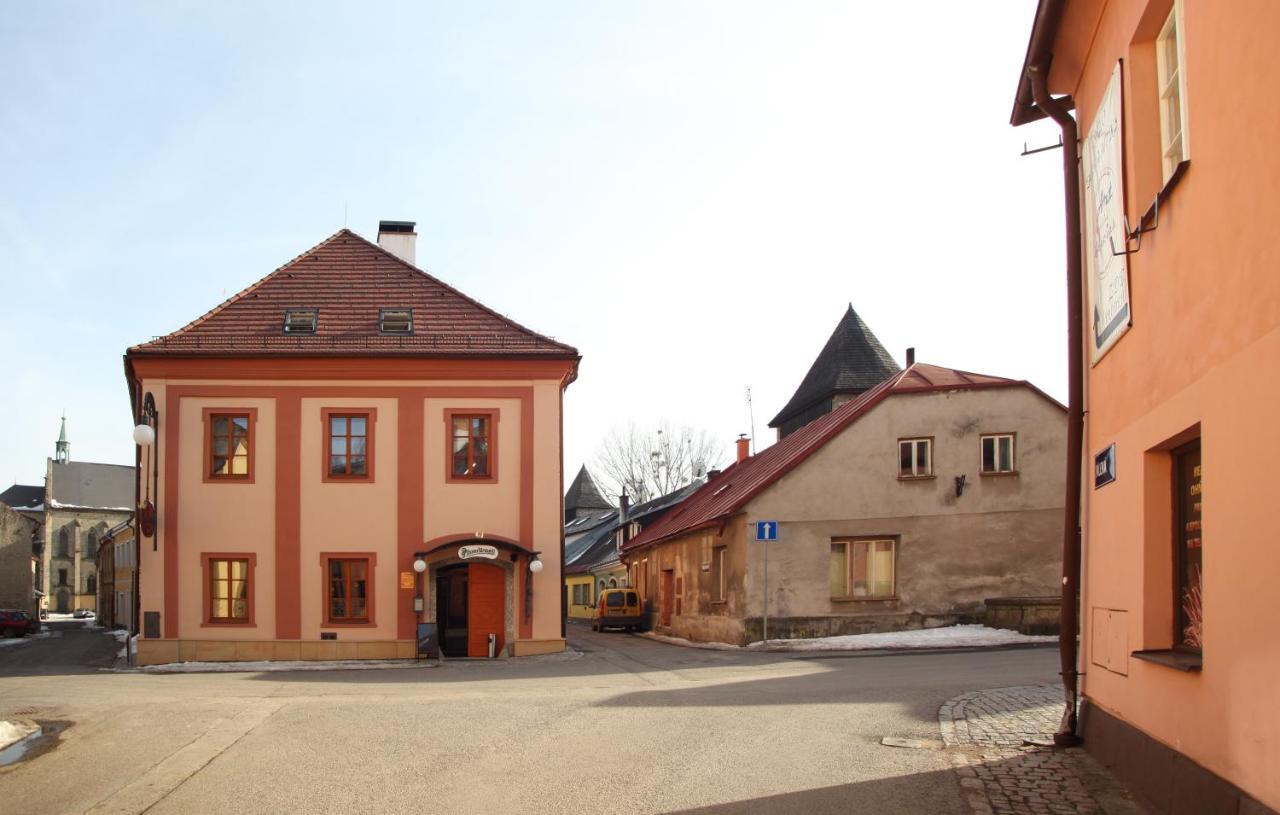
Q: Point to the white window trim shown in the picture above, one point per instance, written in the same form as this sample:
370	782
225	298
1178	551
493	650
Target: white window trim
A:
1013	453
1173	27
914	442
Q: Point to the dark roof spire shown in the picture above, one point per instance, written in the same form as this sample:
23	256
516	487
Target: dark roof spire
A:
583	497
852	361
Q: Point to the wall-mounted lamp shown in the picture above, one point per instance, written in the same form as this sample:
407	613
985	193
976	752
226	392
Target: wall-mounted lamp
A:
144	435
419	565
535	565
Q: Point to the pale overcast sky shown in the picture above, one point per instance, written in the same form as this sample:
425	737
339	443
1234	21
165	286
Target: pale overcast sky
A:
690	193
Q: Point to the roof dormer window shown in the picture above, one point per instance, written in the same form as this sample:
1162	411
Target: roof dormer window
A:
395	321
300	321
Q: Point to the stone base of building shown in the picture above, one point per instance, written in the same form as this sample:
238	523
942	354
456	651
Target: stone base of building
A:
529	648
1026	615
1164	779
160	652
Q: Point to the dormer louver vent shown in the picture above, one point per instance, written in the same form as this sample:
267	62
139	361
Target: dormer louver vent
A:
300	321
395	321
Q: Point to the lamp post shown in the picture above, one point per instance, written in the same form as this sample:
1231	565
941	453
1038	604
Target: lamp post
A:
419	602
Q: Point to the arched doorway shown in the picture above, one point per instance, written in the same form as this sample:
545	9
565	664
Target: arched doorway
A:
63	602
471	605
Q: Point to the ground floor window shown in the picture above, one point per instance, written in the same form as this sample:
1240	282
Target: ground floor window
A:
863	569
582	594
1188	543
717	574
229	590
349	592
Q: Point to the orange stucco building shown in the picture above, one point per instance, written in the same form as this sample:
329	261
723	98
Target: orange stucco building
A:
1179	358
343	450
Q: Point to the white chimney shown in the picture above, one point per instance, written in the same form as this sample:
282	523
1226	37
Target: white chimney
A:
398	238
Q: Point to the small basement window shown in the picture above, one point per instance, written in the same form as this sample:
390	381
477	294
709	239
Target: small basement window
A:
395	321
300	321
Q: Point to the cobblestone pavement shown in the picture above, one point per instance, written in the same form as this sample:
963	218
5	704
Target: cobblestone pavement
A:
1001	740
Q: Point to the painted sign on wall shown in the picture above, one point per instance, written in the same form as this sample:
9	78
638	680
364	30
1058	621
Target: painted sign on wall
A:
1104	226
480	550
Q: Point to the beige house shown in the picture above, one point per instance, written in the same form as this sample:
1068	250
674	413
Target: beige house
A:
908	506
342	452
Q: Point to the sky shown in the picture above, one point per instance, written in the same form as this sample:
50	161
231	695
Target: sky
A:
691	193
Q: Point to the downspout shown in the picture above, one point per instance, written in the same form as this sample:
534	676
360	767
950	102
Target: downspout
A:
1070	612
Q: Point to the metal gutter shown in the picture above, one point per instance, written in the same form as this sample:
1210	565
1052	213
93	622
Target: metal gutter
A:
1037	77
1044	30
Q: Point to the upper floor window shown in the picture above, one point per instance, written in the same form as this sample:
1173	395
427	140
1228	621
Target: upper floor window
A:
915	458
1169	75
472	453
300	321
395	321
997	453
349	444
230	446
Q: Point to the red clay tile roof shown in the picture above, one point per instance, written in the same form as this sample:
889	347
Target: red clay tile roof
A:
349	280
728	492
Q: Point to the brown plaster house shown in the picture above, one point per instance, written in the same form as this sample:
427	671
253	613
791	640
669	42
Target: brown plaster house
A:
907	506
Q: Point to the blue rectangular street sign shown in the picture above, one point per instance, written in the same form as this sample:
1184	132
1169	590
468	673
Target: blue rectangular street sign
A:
1104	467
766	530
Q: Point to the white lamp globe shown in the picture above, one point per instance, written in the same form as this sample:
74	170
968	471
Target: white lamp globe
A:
144	435
419	565
535	566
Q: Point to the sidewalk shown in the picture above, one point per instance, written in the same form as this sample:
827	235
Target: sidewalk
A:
1001	745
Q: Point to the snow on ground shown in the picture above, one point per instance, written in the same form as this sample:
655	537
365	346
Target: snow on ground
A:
11	732
43	635
284	665
955	636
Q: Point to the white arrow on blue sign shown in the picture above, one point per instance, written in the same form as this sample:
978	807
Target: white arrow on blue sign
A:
766	530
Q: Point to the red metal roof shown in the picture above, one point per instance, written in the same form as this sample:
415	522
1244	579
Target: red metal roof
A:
349	280
728	492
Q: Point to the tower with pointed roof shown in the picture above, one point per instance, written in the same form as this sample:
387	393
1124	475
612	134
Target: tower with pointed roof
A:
583	497
852	362
62	450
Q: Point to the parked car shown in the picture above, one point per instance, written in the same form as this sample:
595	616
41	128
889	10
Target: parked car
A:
618	608
17	623
82	614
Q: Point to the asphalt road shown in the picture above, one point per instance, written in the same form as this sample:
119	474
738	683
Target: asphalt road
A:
628	725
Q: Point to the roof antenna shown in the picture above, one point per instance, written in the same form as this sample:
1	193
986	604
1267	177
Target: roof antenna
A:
751	414
344	214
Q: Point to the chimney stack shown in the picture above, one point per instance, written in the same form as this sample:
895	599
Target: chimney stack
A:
624	504
744	447
911	356
398	238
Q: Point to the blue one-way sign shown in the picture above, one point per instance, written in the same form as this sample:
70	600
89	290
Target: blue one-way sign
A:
766	530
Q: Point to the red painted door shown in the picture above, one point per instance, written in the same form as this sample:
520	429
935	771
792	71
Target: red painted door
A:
668	596
486	601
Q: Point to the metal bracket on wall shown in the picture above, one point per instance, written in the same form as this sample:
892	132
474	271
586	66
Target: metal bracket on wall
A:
1030	152
1135	235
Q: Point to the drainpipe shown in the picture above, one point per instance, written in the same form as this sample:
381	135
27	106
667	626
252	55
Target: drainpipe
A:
1070	614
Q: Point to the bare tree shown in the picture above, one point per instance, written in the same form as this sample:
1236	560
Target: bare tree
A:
650	461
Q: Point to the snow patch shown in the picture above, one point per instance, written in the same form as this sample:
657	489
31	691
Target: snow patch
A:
955	636
11	732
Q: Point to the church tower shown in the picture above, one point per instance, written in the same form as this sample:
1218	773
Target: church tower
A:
62	455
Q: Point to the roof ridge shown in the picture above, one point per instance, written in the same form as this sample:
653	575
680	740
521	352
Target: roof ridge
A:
208	315
460	293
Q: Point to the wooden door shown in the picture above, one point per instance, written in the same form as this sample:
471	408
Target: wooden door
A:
668	596
486	608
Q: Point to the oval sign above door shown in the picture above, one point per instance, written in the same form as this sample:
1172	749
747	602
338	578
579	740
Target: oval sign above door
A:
479	550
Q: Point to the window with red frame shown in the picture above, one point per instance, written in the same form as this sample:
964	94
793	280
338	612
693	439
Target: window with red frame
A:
349	590
228	590
349	445
472	447
229	445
